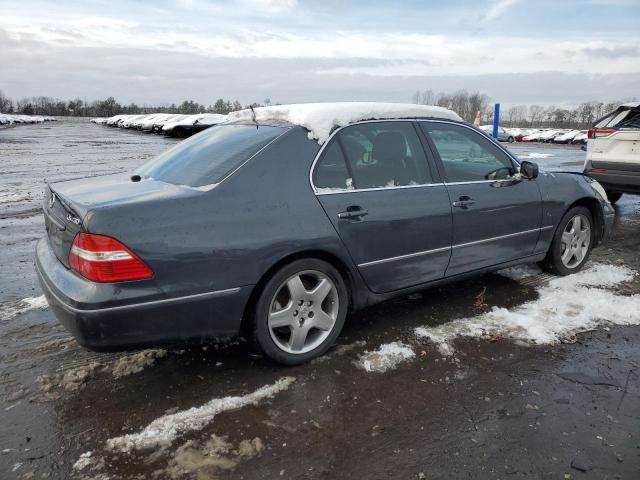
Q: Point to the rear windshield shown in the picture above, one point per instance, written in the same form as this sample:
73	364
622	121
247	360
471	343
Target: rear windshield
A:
621	118
208	157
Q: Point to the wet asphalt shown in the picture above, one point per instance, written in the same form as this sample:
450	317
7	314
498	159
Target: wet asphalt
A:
495	410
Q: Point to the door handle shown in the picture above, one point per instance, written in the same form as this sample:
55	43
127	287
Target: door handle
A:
464	202
353	212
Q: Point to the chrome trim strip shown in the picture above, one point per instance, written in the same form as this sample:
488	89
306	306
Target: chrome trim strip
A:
500	237
402	257
375	189
437	250
452	122
471	182
216	293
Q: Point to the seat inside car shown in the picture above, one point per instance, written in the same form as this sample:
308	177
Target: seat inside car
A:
389	163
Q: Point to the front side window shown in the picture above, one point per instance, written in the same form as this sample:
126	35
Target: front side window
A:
208	157
466	155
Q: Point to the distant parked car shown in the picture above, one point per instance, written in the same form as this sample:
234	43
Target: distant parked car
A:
580	138
192	124
565	137
503	134
256	227
533	136
613	151
547	135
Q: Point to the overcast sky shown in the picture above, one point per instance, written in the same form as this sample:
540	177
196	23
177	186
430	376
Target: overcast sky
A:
164	51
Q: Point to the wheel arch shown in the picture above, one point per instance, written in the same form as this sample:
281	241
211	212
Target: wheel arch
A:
330	258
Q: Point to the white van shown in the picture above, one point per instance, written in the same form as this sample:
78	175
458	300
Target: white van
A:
613	151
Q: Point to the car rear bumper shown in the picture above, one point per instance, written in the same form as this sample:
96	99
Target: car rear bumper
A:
615	179
104	316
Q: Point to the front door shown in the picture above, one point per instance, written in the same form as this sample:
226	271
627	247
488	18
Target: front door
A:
496	214
375	184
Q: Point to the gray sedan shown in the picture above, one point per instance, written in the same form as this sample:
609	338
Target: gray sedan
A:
255	228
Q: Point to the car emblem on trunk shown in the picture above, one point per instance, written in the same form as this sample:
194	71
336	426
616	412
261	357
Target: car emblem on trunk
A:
52	200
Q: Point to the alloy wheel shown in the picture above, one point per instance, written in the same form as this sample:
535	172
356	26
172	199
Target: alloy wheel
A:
576	239
303	312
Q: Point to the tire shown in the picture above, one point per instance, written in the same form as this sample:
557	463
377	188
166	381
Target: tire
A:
318	317
613	196
510	139
556	261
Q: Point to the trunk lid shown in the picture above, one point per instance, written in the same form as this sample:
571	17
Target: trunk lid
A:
66	204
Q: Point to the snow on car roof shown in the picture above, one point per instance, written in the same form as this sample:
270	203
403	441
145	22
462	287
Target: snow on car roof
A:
631	104
321	118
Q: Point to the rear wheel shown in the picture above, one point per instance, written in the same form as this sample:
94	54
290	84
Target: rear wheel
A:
510	139
572	243
300	311
613	196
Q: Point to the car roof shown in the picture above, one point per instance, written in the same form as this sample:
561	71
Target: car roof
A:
321	119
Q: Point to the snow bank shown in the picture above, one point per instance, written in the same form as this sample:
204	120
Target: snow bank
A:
136	362
321	118
164	430
13	309
565	307
388	356
520	271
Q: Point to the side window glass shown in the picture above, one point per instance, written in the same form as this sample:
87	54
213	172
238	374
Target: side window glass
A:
385	154
466	155
331	172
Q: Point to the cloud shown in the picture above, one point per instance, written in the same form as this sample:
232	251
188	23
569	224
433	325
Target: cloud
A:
613	52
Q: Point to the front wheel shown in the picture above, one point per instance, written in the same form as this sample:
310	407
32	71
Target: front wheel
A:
510	139
572	243
300	311
613	196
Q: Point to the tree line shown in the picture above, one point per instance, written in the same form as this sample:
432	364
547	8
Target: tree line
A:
468	104
110	106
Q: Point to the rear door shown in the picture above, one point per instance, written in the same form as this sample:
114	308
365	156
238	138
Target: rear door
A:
496	215
387	204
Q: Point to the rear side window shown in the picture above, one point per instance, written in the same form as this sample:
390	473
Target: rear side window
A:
208	157
331	171
385	154
466	155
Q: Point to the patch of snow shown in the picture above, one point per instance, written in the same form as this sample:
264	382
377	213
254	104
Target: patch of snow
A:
535	155
8	197
136	362
566	306
164	430
520	271
388	356
210	459
13	309
83	462
322	118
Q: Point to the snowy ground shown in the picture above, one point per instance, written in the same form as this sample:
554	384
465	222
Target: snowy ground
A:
510	375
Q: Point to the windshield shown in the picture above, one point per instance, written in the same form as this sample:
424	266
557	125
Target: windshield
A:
208	157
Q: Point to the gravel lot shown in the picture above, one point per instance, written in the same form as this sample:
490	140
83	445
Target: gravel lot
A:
494	409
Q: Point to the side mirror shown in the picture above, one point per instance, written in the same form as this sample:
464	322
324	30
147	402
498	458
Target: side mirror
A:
529	170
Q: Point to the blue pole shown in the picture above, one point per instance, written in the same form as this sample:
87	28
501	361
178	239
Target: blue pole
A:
496	120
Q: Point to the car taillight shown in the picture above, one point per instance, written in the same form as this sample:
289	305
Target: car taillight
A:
600	132
104	259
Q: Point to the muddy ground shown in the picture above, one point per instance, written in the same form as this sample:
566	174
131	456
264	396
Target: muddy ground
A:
494	410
